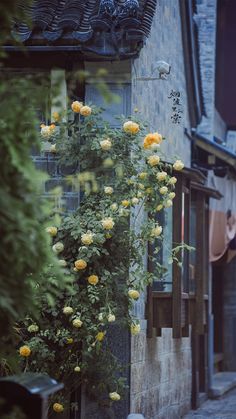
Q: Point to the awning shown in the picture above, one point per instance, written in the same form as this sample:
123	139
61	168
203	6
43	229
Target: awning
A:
216	149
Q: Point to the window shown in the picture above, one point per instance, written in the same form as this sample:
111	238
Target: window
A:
176	296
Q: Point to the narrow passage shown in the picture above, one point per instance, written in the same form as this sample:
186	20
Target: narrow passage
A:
223	408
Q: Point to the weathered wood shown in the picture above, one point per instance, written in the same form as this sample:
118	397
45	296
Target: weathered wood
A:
162	304
200	262
149	312
177	271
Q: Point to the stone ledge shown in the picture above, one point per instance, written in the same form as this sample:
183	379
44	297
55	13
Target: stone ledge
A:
222	382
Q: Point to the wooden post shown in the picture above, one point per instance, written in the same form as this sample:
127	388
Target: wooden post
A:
149	312
177	270
200	262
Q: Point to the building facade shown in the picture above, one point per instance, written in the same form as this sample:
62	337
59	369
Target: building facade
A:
170	363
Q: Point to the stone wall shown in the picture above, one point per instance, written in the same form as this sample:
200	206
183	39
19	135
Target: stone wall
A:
161	366
160	376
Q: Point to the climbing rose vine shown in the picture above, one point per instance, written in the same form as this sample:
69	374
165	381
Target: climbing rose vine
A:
123	176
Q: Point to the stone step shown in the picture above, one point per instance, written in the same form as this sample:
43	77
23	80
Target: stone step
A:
222	382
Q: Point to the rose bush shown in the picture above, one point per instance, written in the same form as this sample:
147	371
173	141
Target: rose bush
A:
98	247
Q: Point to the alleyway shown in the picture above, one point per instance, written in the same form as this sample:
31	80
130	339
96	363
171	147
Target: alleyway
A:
223	408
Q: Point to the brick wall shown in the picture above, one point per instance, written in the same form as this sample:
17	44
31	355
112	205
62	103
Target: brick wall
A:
206	20
151	97
161	367
220	128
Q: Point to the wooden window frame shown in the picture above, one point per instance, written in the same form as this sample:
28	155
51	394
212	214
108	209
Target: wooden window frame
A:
177	309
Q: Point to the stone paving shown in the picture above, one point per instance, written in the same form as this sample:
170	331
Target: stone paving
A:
222	408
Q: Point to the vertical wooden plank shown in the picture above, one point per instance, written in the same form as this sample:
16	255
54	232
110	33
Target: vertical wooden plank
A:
149	312
195	369
207	292
200	261
149	308
187	209
206	254
177	271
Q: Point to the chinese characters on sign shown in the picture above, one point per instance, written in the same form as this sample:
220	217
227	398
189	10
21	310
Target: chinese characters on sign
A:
176	107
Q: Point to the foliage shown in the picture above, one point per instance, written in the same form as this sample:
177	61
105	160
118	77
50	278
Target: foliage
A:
25	251
97	246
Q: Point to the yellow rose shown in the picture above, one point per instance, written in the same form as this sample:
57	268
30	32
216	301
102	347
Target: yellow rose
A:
33	328
77	369
69	341
62	263
68	310
135	201
77	323
135	329
134	294
25	351
46	132
85	111
100	336
100	317
93	279
168	203
156	231
131	127
114	207
152	138
108	190
108	162
114	396
80	264
58	247
161	176
106	144
172	180
159	207
171	195
52	127
178	165
153	160
87	239
53	148
111	318
143	175
56	116
58	407
149	191
125	203
163	190
141	186
108	223
76	106
52	231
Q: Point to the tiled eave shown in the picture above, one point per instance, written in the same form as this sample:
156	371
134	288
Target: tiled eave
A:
110	29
